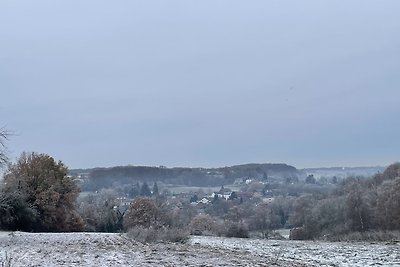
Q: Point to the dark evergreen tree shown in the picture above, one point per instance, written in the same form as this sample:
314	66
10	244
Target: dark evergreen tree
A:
310	179
265	176
194	199
155	189
145	190
135	191
233	196
215	198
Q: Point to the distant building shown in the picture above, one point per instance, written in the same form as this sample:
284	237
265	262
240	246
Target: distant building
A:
267	199
238	181
204	201
224	195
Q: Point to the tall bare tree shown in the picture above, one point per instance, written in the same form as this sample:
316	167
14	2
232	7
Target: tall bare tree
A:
4	134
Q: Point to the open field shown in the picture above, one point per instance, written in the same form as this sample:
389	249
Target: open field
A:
176	189
97	249
100	249
310	252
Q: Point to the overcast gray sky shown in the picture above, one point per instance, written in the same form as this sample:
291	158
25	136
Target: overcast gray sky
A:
202	83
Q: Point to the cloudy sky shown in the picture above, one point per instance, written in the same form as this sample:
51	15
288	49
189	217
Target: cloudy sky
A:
202	83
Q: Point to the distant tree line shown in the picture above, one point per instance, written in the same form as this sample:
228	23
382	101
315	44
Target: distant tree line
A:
108	177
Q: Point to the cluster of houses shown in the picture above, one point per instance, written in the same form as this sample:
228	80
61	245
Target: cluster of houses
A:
201	200
228	194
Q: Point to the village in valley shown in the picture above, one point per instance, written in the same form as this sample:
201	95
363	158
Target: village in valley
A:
257	189
257	192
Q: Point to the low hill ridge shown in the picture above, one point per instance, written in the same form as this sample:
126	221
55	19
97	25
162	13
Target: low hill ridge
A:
106	177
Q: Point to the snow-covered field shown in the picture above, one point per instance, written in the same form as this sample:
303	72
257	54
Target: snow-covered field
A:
98	249
313	253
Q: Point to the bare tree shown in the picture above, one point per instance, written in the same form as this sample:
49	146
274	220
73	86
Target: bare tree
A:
388	205
261	220
357	205
4	135
100	211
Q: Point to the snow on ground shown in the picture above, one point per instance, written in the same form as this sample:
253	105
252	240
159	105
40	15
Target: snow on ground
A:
101	249
312	253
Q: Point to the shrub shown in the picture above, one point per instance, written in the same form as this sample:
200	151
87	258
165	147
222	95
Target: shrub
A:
142	234
163	234
298	233
237	230
174	235
203	224
16	213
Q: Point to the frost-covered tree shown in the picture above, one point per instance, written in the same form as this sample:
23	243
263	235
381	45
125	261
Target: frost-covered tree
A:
100	211
388	205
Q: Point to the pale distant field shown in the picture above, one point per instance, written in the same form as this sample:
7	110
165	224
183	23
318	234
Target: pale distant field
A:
100	249
176	189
